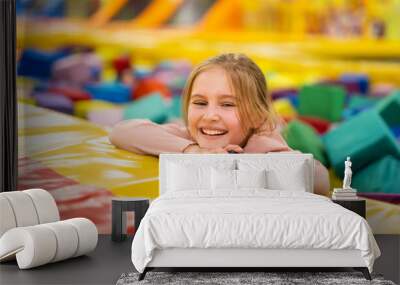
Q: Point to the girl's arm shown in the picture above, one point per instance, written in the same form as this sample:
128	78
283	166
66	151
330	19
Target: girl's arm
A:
146	137
274	142
321	179
266	142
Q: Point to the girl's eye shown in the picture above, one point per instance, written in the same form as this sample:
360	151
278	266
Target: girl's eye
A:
201	103
228	105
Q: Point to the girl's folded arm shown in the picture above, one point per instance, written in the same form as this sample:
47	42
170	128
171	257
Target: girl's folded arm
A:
145	137
266	142
321	179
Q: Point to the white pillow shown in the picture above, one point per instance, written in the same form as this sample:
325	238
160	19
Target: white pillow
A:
223	179
282	174
194	175
235	179
251	178
294	180
182	177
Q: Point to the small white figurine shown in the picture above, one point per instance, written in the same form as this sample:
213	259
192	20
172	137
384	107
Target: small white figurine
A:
347	174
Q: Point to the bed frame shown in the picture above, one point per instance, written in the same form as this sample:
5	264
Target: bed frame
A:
242	259
246	258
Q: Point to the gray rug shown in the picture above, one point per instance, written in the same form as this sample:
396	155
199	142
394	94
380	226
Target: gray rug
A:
230	278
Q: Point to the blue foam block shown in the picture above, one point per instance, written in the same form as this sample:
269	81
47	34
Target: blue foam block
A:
361	80
54	8
395	131
38	64
294	99
111	92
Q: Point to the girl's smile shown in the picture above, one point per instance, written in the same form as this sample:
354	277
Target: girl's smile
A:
213	118
212	132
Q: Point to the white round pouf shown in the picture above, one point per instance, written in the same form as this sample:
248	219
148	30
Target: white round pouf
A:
45	205
33	246
23	208
87	233
31	232
67	240
7	218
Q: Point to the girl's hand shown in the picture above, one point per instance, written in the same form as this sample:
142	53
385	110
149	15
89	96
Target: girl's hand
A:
195	148
233	148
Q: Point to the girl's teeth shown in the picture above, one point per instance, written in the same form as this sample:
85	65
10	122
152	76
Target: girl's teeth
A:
212	132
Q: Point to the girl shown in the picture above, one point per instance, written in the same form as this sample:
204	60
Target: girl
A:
226	108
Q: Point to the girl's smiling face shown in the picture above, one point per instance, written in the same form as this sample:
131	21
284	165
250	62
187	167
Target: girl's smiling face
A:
213	117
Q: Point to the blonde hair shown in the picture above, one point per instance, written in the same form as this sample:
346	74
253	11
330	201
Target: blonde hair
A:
256	113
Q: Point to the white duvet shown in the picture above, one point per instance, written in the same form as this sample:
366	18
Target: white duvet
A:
250	219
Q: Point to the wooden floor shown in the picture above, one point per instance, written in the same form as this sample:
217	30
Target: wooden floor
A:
111	259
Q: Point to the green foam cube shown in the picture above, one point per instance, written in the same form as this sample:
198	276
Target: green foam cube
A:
365	138
322	101
381	176
150	107
389	109
304	138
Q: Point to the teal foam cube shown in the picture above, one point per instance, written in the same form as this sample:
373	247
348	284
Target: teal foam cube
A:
150	107
357	104
382	176
304	138
322	101
358	101
365	138
389	109
175	108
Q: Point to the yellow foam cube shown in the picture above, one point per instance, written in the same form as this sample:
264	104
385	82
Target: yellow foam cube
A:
82	108
285	108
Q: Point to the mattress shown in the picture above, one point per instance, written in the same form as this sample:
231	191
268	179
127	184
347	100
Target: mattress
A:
251	218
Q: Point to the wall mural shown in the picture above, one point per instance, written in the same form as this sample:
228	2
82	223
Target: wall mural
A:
79	74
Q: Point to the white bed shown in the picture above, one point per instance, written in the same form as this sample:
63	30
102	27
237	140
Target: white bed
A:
203	220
